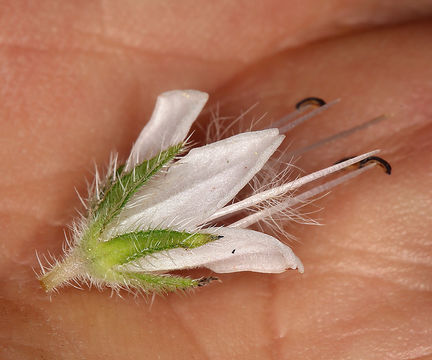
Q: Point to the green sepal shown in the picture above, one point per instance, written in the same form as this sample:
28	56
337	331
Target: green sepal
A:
162	283
116	194
131	246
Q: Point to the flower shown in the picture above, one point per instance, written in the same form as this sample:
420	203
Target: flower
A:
153	214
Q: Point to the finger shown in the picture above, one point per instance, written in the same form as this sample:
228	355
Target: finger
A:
368	267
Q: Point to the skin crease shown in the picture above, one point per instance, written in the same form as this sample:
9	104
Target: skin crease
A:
78	81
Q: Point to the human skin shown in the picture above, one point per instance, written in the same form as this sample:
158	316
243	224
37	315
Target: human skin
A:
80	80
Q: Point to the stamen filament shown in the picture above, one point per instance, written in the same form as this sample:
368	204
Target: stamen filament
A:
274	192
284	129
260	215
337	136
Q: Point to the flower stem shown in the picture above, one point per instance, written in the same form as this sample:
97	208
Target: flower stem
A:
68	269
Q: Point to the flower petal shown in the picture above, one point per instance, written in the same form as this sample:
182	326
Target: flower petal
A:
174	113
238	250
202	182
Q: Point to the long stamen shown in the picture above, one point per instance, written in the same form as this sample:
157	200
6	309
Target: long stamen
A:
260	215
279	190
300	108
285	128
337	136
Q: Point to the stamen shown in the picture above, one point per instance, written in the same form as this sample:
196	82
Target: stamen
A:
337	136
282	123
279	190
261	215
284	129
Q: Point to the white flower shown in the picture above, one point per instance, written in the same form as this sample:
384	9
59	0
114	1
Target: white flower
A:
152	216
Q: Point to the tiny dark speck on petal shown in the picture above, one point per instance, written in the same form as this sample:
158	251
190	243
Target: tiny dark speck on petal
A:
232	252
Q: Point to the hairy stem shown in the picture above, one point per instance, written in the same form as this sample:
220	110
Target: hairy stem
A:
70	268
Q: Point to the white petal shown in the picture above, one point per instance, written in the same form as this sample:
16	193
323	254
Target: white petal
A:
174	113
238	250
205	180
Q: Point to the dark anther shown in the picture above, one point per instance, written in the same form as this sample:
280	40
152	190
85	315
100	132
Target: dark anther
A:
220	237
371	159
207	280
232	252
380	161
310	101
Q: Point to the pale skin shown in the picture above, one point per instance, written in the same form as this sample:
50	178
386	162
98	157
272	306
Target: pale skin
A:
78	81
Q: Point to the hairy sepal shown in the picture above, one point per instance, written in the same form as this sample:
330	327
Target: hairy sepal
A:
123	186
236	250
137	245
160	283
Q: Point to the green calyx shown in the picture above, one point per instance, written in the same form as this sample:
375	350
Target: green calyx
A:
132	246
101	259
164	283
118	190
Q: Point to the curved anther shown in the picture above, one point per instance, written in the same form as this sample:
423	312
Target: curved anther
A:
371	159
310	101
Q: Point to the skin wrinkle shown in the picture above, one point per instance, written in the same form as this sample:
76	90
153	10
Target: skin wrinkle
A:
377	332
154	36
277	46
356	269
422	350
182	323
289	299
411	258
325	335
360	264
270	312
276	351
121	50
238	348
28	313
